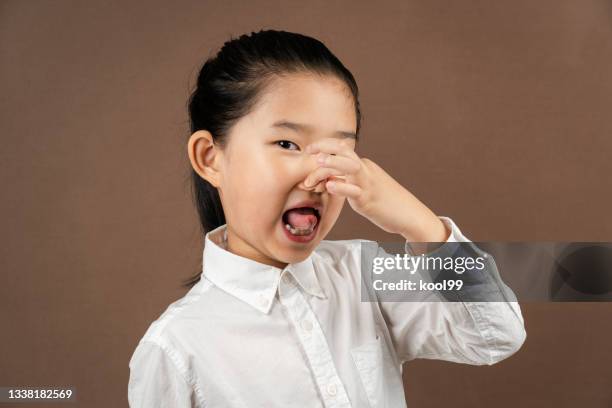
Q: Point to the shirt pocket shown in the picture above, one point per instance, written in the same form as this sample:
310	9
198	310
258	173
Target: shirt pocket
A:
376	370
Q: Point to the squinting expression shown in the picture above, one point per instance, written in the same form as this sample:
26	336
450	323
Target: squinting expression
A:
264	165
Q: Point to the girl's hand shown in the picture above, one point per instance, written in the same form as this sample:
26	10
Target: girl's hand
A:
373	193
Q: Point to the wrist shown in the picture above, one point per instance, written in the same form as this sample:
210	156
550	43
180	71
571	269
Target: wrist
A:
430	230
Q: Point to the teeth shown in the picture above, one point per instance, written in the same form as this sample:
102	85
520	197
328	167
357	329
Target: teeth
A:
299	231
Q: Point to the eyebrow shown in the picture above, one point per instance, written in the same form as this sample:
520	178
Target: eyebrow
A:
299	127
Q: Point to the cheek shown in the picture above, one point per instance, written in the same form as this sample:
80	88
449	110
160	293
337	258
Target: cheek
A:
255	189
263	179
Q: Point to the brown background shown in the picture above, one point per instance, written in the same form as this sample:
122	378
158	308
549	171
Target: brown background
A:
492	113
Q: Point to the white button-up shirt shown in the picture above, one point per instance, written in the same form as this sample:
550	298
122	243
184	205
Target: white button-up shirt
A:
252	335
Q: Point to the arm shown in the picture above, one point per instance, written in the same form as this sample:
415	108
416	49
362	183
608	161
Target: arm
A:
463	331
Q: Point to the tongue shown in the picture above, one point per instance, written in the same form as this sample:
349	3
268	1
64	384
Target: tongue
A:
301	218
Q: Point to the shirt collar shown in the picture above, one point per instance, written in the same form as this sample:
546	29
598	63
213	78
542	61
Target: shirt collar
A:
250	281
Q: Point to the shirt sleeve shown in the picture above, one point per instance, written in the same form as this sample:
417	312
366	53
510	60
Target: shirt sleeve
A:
471	332
156	381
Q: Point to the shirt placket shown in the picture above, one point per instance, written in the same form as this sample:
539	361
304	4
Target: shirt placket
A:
314	343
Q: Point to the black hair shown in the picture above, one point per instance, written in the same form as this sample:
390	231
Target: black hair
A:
230	84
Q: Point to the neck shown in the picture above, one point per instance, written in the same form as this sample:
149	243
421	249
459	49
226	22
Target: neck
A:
237	245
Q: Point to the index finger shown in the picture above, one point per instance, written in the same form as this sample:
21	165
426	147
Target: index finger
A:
336	146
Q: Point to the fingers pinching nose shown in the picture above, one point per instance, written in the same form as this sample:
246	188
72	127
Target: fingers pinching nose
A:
305	184
318	187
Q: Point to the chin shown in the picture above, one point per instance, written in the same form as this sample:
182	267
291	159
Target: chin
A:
297	254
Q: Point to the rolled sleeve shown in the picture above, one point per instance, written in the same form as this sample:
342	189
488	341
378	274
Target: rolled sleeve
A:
479	324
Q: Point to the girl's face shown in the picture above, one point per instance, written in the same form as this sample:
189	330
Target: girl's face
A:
262	168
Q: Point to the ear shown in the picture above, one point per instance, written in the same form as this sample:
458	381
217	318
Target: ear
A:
204	155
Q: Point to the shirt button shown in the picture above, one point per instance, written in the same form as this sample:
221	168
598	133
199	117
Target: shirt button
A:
286	278
306	325
331	389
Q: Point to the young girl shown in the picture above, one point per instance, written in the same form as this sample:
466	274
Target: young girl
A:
276	318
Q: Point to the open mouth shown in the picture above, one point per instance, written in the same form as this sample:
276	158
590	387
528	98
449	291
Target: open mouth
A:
302	221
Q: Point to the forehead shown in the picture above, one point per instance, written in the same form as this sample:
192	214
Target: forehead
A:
324	103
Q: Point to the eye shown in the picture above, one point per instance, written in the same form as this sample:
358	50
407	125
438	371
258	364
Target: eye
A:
285	144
